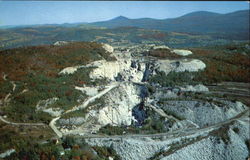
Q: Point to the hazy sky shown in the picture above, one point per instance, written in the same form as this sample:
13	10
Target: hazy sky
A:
35	12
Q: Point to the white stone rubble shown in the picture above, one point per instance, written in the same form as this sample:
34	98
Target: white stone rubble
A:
182	52
89	91
108	48
69	70
60	43
189	65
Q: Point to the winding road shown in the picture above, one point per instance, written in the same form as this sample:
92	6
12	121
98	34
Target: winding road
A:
6	99
21	124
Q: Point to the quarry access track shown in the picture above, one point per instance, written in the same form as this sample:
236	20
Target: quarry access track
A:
21	124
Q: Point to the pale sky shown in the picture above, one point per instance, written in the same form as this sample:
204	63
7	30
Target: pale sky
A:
48	12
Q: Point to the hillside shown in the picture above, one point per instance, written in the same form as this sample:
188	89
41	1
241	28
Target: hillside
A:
124	89
46	35
35	69
85	100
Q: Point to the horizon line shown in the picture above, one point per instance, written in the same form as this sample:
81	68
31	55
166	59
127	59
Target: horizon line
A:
43	24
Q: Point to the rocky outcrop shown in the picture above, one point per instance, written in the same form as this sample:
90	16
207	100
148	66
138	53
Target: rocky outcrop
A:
182	52
118	106
189	65
122	70
108	48
89	91
60	43
193	65
69	70
164	66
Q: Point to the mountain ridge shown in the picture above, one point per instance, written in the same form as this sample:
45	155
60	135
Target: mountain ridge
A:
121	17
201	22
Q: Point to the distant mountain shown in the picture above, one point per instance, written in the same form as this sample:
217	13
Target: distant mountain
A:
233	26
201	22
122	21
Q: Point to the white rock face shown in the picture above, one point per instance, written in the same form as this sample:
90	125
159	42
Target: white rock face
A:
165	65
108	48
116	110
119	104
119	69
69	70
107	70
189	65
182	52
90	91
180	66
